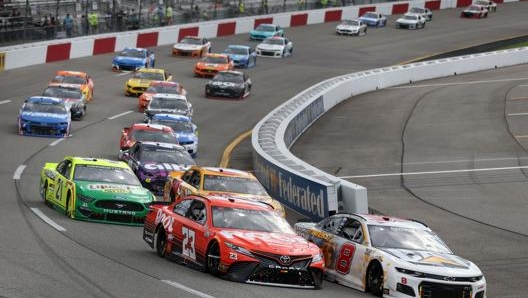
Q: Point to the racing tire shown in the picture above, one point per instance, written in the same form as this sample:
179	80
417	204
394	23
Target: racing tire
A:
68	211
44	190
160	242
375	279
213	259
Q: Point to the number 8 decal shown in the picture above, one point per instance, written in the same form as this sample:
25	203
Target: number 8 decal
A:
188	243
344	260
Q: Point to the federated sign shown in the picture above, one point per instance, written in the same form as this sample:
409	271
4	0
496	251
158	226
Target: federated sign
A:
2	61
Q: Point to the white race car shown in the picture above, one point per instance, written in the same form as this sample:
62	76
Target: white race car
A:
425	12
351	27
490	5
277	47
410	21
391	257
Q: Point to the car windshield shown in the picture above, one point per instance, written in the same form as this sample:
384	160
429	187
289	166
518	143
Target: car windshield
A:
236	50
278	41
371	15
168	103
69	79
105	174
234	184
153	76
177	126
410	17
473	7
164	89
247	219
265	27
191	41
214	60
63	92
154	136
406	238
350	23
228	77
158	155
45	108
132	53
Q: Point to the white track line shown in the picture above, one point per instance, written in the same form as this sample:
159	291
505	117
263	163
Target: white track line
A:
119	115
56	142
187	289
48	220
462	160
18	172
4	101
434	172
458	83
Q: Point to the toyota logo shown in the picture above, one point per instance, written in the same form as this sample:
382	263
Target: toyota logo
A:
285	259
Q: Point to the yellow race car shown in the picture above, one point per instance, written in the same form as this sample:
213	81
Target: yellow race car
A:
142	78
226	182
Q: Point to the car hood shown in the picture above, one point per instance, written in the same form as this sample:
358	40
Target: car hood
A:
223	84
136	60
210	65
406	21
186	136
274	47
167	111
187	47
276	243
110	191
439	263
44	117
348	27
139	82
261	33
241	196
238	57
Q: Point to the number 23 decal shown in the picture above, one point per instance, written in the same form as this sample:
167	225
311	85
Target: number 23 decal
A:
344	259
188	243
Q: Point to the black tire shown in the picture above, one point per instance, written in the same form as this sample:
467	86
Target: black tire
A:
375	279
67	211
43	191
213	259
160	242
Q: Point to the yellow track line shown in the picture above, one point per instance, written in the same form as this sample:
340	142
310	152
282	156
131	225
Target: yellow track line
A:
226	156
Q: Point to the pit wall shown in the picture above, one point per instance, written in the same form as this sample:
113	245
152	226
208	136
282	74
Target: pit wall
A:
310	191
64	49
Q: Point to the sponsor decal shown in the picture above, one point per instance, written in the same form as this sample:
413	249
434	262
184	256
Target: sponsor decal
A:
303	120
233	256
163	166
117	211
442	261
165	219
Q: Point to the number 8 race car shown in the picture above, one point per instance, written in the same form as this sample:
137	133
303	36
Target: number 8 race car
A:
392	257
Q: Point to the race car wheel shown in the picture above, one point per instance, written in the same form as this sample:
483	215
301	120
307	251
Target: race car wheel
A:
213	258
375	279
44	190
68	211
161	242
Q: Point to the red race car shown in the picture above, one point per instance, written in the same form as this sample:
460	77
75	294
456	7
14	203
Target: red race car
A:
147	132
237	239
159	87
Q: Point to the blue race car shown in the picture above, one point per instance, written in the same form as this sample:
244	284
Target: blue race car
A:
264	31
374	19
186	131
132	59
153	161
44	116
242	56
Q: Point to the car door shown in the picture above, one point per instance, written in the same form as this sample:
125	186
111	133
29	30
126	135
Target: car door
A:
58	189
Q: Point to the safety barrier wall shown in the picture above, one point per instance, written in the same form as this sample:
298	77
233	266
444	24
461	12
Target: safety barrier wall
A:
64	49
305	188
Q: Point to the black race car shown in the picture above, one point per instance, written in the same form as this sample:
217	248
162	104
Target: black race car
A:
229	83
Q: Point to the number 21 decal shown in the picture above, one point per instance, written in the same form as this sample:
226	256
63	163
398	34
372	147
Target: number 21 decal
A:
344	259
188	243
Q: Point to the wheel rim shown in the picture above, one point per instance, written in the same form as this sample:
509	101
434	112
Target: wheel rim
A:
213	258
161	243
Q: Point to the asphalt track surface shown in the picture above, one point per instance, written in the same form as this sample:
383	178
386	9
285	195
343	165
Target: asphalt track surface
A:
432	128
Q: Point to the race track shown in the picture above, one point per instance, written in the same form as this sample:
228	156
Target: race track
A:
98	260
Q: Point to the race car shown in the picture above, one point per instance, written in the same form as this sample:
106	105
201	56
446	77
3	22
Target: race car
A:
72	95
186	131
242	56
95	189
374	19
168	104
142	78
277	47
192	46
236	84
411	21
82	79
132	59
475	12
146	132
159	87
217	181
490	5
351	27
264	31
391	257
211	64
425	12
240	240
152	161
44	116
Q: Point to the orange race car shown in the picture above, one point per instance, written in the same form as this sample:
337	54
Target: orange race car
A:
211	64
82	79
159	87
147	132
217	181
